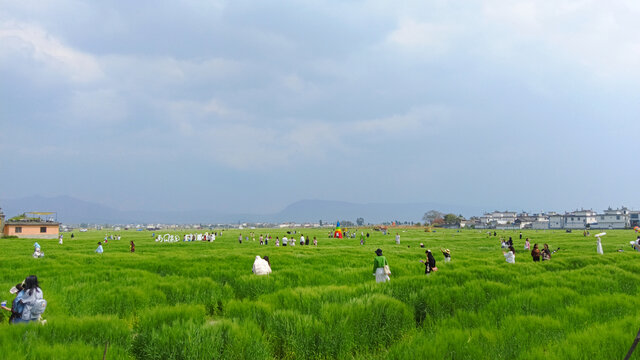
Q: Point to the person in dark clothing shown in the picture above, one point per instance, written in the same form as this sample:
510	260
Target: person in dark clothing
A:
535	253
430	264
17	291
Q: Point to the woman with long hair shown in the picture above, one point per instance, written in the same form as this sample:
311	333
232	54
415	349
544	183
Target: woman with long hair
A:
30	296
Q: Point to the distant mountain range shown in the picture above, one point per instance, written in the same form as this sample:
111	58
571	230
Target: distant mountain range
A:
74	211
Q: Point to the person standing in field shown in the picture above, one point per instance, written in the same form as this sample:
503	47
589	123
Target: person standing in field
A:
546	253
132	246
379	263
447	254
60	241
535	253
240	238
99	250
284	240
510	256
315	241
430	264
397	239
527	244
599	245
520	235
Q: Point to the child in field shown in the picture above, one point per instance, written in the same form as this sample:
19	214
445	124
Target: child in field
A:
535	253
397	239
240	238
99	250
315	241
527	244
510	256
60	239
132	246
284	240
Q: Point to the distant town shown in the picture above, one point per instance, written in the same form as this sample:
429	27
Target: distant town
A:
45	224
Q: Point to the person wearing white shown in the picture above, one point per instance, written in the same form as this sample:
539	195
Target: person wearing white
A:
599	246
510	256
261	266
284	241
60	241
397	239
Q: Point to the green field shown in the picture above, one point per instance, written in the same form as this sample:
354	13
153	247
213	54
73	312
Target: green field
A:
199	300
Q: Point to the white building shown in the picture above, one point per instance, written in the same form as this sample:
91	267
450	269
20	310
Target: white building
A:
556	221
613	219
540	224
579	219
498	218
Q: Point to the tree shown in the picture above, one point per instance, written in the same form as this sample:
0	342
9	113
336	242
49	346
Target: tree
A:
360	221
431	215
451	219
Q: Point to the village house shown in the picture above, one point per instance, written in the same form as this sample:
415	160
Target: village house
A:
32	226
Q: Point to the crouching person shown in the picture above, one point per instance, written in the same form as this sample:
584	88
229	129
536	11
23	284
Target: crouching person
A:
32	301
261	266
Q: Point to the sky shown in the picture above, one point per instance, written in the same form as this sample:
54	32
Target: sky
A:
248	106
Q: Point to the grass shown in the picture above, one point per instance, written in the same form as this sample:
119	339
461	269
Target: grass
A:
199	300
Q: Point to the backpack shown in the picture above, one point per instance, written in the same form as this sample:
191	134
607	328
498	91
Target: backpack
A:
38	308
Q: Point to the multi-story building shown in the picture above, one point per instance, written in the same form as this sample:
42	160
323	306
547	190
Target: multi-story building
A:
498	218
613	219
579	219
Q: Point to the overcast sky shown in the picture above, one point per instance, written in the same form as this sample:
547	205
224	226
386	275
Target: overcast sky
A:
251	105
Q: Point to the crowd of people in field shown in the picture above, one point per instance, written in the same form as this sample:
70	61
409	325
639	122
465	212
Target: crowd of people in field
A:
29	304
